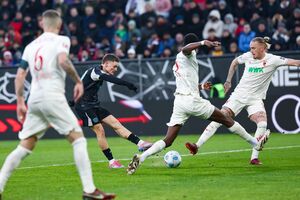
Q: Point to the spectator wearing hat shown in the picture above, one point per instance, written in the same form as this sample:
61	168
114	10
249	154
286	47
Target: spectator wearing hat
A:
214	22
7	59
149	14
223	8
294	19
176	10
179	26
270	8
229	24
131	53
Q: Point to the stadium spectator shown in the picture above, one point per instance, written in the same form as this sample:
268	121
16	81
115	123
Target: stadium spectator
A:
188	103
296	46
196	25
270	8
229	24
245	37
51	109
233	47
131	53
251	90
262	30
162	7
223	8
179	26
281	37
7	59
214	22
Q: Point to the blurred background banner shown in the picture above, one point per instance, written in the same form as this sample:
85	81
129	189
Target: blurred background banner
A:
152	105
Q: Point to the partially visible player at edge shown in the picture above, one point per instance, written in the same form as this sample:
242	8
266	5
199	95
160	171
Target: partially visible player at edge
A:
92	114
250	92
47	59
189	103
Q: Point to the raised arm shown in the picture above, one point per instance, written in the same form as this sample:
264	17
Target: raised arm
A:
65	63
233	66
118	81
19	89
97	75
293	62
187	49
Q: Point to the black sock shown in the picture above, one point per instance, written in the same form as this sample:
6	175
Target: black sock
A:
133	138
108	154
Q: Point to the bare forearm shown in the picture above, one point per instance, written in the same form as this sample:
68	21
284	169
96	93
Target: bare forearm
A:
232	69
70	70
19	84
192	46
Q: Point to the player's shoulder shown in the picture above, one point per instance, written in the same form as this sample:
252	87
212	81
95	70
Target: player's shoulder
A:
247	55
64	38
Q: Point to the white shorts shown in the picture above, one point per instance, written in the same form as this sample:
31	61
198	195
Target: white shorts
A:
189	105
40	116
252	106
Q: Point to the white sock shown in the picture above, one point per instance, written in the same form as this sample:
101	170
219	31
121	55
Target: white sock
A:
207	133
83	164
12	162
237	128
140	142
155	148
261	129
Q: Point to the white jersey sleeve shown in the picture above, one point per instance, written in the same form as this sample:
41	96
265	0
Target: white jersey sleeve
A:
244	57
25	56
63	45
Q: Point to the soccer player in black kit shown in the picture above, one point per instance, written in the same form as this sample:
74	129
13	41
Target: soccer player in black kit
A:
93	115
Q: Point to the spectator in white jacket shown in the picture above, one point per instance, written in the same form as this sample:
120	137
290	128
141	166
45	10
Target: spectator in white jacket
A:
214	22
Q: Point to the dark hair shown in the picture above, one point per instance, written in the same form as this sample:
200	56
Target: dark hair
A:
263	40
110	57
190	38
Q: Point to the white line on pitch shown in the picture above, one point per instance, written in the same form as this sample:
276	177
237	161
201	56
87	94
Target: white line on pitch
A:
154	157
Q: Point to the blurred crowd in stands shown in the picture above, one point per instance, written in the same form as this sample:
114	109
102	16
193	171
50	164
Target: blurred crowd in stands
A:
151	28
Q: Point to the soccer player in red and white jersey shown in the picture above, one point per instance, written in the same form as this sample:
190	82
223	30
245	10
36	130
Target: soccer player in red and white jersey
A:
189	103
250	92
47	60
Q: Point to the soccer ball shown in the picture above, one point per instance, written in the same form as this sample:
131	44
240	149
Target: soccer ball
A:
172	159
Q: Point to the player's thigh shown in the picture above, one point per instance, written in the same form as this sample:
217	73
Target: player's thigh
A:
35	123
234	105
202	108
180	112
256	111
61	117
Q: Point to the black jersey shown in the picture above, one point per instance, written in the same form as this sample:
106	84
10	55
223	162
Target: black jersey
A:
92	80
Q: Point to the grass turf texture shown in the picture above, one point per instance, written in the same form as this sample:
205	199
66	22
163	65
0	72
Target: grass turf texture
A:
214	173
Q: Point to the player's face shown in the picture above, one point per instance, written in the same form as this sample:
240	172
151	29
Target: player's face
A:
110	67
258	50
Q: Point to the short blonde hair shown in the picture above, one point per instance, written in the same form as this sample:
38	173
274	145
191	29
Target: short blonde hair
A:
51	18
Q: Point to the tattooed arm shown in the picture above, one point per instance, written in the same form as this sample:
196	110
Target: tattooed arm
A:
65	63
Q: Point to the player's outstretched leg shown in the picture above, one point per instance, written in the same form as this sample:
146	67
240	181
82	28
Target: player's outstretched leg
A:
98	194
134	164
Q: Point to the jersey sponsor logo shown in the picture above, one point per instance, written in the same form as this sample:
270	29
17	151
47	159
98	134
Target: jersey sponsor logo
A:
296	114
255	70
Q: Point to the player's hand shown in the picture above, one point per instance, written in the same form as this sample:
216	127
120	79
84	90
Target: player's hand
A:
78	91
212	44
207	85
21	111
132	87
227	86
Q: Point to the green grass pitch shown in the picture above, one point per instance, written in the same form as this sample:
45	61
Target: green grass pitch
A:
220	170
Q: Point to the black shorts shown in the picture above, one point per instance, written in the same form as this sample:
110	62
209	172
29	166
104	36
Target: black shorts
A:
92	116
